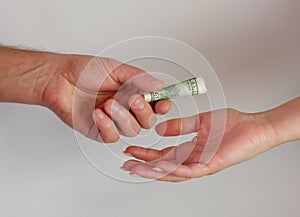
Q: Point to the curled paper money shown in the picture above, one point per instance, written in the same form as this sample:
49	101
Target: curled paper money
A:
190	87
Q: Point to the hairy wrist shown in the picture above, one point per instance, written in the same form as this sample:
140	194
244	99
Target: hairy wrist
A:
24	75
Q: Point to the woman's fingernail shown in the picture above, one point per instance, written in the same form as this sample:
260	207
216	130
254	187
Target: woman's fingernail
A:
157	169
133	174
128	154
124	168
138	103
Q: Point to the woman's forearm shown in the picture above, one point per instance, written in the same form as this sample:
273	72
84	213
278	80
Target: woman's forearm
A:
24	75
285	121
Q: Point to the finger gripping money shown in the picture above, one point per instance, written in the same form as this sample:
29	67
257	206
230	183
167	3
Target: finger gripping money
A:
190	87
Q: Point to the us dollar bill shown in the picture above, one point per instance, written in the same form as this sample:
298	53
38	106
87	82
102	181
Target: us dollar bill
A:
190	87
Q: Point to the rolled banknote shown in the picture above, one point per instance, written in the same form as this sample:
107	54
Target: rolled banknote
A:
190	87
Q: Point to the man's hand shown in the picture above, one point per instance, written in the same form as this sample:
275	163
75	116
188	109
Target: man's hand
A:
96	96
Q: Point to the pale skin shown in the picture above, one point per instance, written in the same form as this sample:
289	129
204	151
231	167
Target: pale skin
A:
83	91
246	135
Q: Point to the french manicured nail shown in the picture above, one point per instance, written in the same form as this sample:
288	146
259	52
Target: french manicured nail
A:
128	154
138	103
157	169
134	175
124	168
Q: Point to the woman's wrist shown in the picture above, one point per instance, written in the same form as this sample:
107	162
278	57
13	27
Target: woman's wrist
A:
24	75
285	121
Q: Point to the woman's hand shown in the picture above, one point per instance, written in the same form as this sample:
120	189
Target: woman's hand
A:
245	136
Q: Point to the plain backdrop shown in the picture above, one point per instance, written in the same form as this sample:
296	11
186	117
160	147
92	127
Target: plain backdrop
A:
254	47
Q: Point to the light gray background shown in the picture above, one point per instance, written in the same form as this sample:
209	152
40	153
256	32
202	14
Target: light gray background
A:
254	48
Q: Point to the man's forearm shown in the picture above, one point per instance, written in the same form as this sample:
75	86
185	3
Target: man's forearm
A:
24	75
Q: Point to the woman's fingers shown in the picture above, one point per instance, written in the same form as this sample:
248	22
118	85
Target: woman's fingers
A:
162	165
166	170
128	165
188	171
148	154
179	126
166	165
150	172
